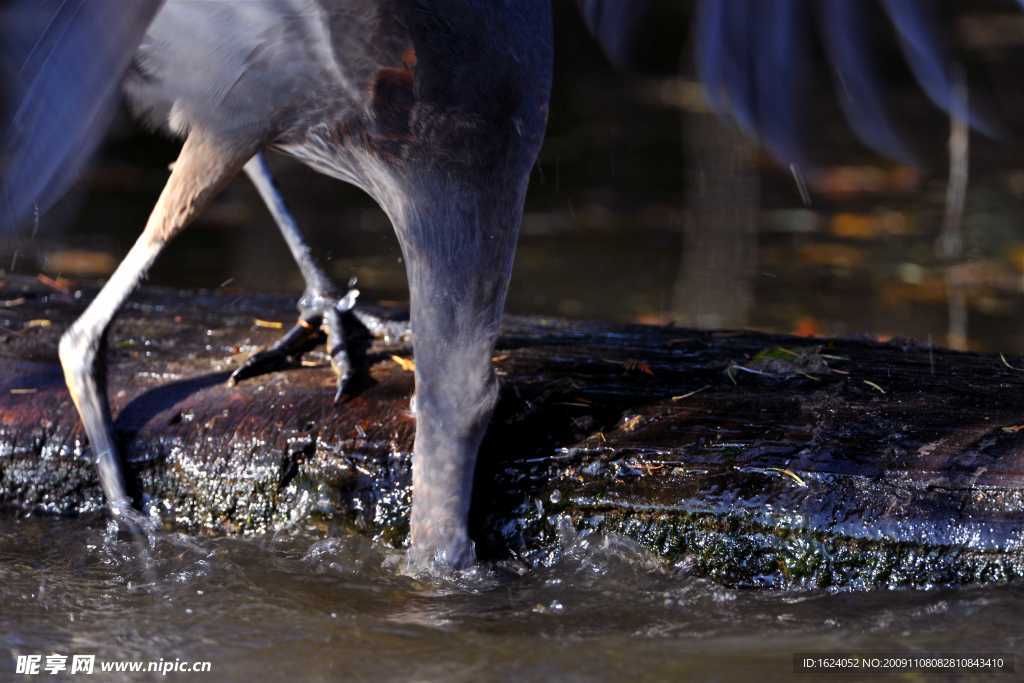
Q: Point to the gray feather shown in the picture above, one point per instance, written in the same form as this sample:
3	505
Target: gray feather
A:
251	67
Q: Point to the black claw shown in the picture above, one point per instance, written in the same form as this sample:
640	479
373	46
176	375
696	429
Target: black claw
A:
347	332
303	337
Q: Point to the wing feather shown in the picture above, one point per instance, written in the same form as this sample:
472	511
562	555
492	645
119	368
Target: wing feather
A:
752	56
62	64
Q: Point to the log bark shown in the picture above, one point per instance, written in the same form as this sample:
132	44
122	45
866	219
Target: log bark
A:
757	460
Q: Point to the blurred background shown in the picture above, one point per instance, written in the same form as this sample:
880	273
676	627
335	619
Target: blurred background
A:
645	207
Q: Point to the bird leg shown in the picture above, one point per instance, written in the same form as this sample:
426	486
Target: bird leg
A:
459	244
204	166
323	315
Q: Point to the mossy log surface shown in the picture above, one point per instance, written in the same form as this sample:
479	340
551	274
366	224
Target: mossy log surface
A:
758	460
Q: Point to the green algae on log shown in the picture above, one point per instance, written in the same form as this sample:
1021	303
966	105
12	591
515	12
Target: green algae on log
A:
758	460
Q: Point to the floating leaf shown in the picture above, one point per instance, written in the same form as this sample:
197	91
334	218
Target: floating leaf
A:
61	284
631	423
832	255
785	471
636	365
406	364
88	262
808	327
874	386
688	394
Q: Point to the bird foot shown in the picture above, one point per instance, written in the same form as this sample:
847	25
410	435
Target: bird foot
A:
324	318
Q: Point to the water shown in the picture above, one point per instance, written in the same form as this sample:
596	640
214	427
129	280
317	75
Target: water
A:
298	605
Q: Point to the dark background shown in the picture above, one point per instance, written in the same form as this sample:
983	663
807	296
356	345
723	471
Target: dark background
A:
644	207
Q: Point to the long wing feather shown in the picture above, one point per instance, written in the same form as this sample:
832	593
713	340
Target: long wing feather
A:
62	64
752	57
844	28
929	58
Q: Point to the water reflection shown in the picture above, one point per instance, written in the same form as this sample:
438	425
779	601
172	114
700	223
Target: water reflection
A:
641	209
297	604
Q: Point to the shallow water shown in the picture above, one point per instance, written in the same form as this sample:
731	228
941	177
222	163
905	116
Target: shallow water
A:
301	605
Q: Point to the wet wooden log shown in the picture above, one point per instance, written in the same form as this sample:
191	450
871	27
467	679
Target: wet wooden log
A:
757	460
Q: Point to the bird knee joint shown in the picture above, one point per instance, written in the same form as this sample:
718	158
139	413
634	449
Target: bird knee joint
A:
76	352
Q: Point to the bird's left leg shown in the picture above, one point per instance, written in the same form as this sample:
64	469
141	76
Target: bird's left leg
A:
323	314
205	165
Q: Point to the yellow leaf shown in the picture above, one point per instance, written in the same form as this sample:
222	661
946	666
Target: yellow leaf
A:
631	423
785	471
406	364
874	386
683	397
59	283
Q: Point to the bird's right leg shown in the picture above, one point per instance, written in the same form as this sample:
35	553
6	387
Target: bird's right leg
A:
204	166
322	312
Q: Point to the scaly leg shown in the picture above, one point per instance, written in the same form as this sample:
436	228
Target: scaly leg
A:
320	306
204	166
